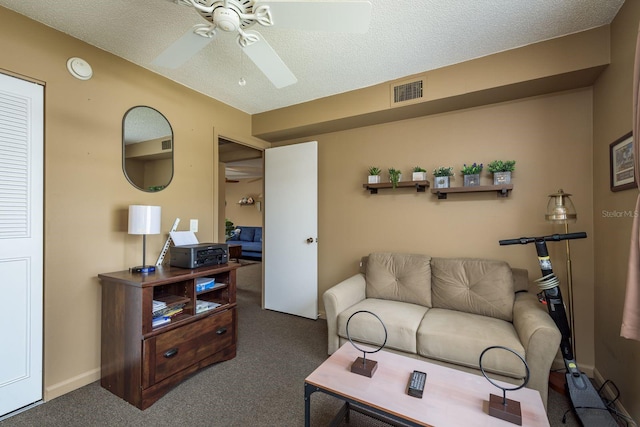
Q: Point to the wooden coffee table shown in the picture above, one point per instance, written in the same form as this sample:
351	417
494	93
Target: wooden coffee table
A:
451	397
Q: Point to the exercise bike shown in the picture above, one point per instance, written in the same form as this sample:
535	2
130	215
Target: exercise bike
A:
586	401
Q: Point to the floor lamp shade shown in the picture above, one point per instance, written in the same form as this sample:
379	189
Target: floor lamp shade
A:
144	220
560	209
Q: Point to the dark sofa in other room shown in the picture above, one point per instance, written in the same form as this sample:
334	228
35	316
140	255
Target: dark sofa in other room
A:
250	238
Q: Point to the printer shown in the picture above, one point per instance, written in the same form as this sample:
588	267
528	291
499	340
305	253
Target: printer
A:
199	255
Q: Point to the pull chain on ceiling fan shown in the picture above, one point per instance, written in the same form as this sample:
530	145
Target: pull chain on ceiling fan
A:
233	16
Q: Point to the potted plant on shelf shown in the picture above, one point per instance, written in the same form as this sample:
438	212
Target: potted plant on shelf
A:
501	171
374	175
419	174
395	176
442	175
471	174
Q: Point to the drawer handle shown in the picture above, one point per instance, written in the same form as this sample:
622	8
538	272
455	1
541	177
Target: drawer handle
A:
221	331
171	353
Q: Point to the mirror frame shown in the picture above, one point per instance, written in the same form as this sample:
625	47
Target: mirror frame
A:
124	144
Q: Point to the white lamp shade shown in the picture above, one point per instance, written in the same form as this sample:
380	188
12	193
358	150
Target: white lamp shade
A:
144	219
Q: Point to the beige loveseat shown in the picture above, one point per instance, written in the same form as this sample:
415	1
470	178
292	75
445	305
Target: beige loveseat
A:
447	310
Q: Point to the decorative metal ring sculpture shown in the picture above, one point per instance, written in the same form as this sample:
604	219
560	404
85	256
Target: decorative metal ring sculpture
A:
383	327
504	389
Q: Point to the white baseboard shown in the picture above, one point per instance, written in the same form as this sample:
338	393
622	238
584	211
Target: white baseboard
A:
64	387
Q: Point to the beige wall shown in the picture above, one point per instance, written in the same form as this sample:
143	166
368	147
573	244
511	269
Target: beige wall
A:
616	357
244	214
540	133
569	62
86	193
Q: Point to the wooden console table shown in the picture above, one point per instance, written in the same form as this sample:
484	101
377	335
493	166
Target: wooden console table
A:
140	363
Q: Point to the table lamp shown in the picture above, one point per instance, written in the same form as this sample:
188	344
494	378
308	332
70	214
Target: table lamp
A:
560	210
144	220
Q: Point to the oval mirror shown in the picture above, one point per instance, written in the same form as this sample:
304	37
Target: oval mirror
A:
147	149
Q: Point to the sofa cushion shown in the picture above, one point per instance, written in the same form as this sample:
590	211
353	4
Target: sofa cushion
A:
400	319
475	286
247	233
257	237
251	247
399	277
460	338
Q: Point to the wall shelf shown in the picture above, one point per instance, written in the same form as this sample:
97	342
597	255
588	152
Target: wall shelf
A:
420	186
501	190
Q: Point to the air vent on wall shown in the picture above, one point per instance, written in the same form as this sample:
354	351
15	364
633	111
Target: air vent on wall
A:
408	91
166	144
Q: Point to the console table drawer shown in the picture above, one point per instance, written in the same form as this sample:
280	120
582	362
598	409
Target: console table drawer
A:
173	351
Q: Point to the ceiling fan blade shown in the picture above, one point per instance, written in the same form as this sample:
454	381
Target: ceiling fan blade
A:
348	16
182	50
268	61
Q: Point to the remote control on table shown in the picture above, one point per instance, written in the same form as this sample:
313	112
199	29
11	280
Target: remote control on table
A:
416	384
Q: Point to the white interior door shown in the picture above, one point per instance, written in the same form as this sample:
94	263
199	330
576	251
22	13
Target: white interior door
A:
291	229
21	243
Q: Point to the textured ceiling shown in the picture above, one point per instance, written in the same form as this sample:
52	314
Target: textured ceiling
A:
405	37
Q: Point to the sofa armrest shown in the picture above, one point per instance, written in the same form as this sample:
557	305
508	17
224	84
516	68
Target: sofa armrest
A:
540	338
337	299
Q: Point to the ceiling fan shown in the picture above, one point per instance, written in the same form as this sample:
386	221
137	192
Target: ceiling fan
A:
236	16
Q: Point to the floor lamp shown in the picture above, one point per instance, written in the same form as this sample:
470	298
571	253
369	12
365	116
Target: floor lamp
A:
560	210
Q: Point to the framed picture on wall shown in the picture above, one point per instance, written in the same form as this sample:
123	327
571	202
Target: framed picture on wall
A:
621	162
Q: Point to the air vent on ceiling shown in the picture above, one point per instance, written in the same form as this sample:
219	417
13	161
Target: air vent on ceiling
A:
166	144
407	91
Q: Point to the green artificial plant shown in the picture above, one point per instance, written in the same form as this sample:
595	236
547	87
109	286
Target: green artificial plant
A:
443	171
502	166
472	169
374	170
394	176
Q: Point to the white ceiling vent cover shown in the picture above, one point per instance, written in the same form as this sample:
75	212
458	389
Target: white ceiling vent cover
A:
407	91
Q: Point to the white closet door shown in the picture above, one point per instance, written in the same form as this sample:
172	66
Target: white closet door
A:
291	229
21	243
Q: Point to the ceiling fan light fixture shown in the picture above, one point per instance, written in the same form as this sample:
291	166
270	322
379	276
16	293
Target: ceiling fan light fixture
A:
239	15
226	19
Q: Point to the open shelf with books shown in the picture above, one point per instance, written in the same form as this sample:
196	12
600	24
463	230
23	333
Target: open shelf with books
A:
159	328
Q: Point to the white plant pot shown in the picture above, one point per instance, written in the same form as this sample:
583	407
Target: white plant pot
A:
373	179
419	176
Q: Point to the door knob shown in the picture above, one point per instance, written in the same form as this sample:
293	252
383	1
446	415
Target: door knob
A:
310	240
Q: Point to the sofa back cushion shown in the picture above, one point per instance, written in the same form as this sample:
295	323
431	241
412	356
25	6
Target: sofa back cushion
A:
399	277
475	286
257	237
247	233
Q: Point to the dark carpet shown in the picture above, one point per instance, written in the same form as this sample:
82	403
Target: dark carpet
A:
262	386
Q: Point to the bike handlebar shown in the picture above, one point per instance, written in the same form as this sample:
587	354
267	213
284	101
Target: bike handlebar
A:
552	237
